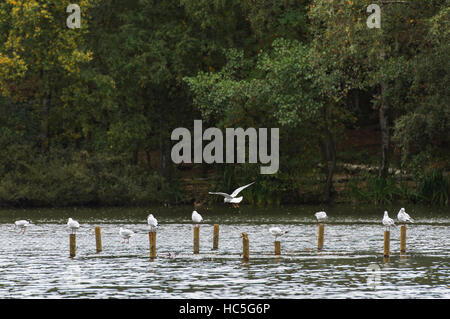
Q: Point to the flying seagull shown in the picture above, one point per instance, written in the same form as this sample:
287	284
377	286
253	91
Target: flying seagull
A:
73	225
22	224
196	217
277	231
387	221
152	222
404	217
321	216
126	234
232	198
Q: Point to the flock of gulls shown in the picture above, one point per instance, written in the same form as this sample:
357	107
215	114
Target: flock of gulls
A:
126	234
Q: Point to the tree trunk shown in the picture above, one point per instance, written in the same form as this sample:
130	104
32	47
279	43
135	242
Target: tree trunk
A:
356	100
383	114
164	159
149	159
45	111
330	158
44	124
384	126
135	160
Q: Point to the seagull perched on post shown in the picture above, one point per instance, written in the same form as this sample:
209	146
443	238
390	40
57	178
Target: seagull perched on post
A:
232	198
196	217
152	222
22	224
126	234
387	221
321	216
277	231
73	225
403	217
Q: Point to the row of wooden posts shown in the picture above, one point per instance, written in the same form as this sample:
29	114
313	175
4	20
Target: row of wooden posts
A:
245	241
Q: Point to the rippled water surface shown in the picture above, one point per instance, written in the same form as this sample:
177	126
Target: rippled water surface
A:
351	265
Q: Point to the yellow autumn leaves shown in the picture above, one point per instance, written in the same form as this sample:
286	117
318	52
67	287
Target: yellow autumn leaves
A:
36	40
23	7
11	68
70	63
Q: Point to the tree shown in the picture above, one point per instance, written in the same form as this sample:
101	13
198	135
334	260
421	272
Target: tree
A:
375	60
287	86
421	132
39	55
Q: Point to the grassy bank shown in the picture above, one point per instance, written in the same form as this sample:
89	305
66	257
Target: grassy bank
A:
82	179
78	179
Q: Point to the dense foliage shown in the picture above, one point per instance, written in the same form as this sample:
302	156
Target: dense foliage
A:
87	113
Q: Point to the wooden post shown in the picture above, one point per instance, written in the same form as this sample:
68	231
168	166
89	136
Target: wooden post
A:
320	239
196	239
152	239
245	249
73	245
387	242
403	239
277	248
216	237
98	239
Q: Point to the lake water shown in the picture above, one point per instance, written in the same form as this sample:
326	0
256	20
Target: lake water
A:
351	265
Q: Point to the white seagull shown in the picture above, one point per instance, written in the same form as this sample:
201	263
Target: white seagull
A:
196	217
387	221
126	234
321	216
277	231
404	217
73	225
152	222
232	198
22	224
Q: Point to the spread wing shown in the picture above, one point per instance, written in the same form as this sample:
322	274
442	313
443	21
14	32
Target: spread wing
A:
223	194
234	194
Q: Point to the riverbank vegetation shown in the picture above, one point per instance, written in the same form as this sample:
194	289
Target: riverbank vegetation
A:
86	114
